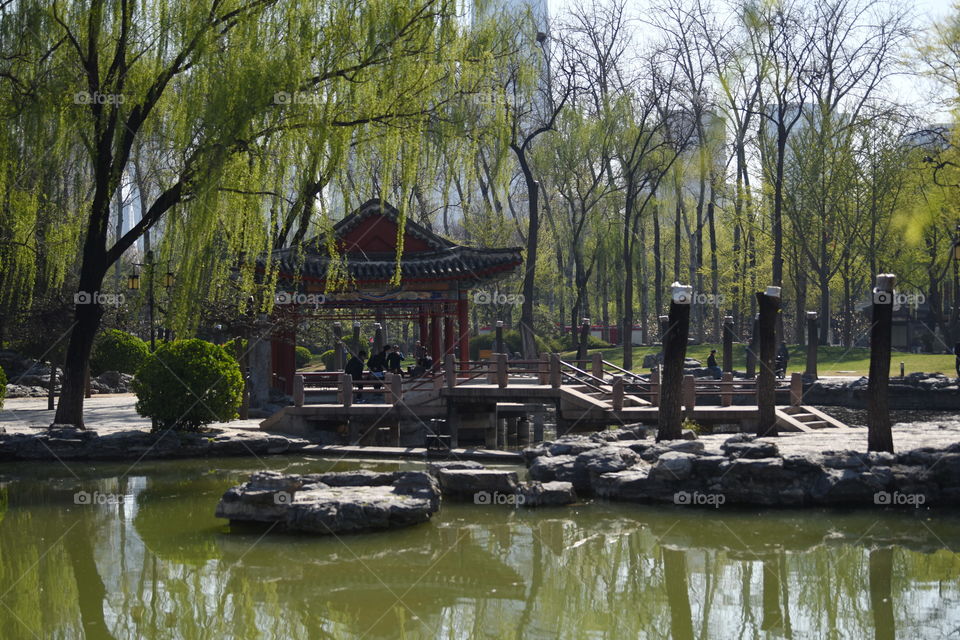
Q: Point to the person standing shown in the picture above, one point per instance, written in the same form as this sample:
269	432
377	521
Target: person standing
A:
712	366
394	360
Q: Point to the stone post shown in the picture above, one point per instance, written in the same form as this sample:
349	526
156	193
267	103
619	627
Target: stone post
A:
796	389
879	434
377	337
769	305
728	343
813	341
502	372
674	354
617	395
555	376
597	365
450	370
355	341
299	392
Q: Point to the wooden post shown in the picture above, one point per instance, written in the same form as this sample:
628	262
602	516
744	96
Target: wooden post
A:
769	305
502	372
584	338
346	390
544	369
498	340
655	387
617	396
597	365
377	337
555	376
726	389
796	389
299	393
752	349
879	434
450	370
338	362
674	354
355	340
492	369
689	394
813	341
396	388
728	343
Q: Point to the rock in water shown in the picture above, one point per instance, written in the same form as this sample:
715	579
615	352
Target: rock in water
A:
333	502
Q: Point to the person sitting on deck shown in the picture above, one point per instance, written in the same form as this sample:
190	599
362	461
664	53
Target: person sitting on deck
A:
394	360
783	359
712	366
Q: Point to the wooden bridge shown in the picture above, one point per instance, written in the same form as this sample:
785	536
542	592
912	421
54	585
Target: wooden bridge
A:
501	402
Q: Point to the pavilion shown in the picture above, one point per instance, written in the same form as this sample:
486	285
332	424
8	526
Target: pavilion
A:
436	276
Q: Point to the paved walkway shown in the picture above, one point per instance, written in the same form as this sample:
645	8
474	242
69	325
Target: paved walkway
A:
104	414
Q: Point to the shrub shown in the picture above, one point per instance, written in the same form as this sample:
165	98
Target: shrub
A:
187	384
512	341
328	358
593	342
3	386
303	357
236	347
116	350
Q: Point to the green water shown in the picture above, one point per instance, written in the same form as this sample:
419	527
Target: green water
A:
155	563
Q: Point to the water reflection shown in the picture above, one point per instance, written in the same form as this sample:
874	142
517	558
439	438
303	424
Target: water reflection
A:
154	563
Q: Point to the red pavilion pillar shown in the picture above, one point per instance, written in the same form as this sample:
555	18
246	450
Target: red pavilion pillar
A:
463	320
424	329
449	339
436	351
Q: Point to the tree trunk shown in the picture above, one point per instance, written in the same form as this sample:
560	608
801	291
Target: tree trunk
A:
657	267
529	274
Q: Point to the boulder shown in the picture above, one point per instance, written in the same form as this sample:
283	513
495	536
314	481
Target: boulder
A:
607	459
673	466
436	467
477	484
333	503
545	494
572	446
630	484
751	450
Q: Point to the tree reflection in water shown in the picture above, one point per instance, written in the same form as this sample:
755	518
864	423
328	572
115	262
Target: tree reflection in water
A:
160	565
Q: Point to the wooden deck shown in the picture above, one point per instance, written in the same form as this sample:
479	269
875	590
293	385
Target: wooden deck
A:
483	396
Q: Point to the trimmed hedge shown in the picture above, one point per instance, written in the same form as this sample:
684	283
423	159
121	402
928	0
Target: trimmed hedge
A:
302	357
188	384
513	342
236	347
593	342
328	358
115	350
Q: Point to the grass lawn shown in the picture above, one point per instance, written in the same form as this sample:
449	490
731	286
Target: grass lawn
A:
831	361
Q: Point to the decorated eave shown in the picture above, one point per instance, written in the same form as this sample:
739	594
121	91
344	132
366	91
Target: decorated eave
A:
366	241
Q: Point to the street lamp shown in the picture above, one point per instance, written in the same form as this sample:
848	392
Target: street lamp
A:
133	283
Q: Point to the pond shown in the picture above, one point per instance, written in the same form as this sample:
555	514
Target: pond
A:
141	556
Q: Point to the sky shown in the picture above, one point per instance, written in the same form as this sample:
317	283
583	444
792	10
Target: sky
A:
920	92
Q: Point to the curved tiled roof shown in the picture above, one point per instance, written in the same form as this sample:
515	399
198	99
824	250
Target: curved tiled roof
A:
445	261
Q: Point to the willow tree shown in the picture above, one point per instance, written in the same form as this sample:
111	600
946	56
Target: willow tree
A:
218	90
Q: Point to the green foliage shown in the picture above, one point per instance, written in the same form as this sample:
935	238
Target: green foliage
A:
593	342
3	386
187	384
512	341
116	350
695	426
236	347
328	359
303	357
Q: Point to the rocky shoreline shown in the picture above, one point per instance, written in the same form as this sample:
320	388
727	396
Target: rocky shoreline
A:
68	443
745	471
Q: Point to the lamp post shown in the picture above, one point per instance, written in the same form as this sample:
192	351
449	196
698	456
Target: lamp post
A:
133	284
